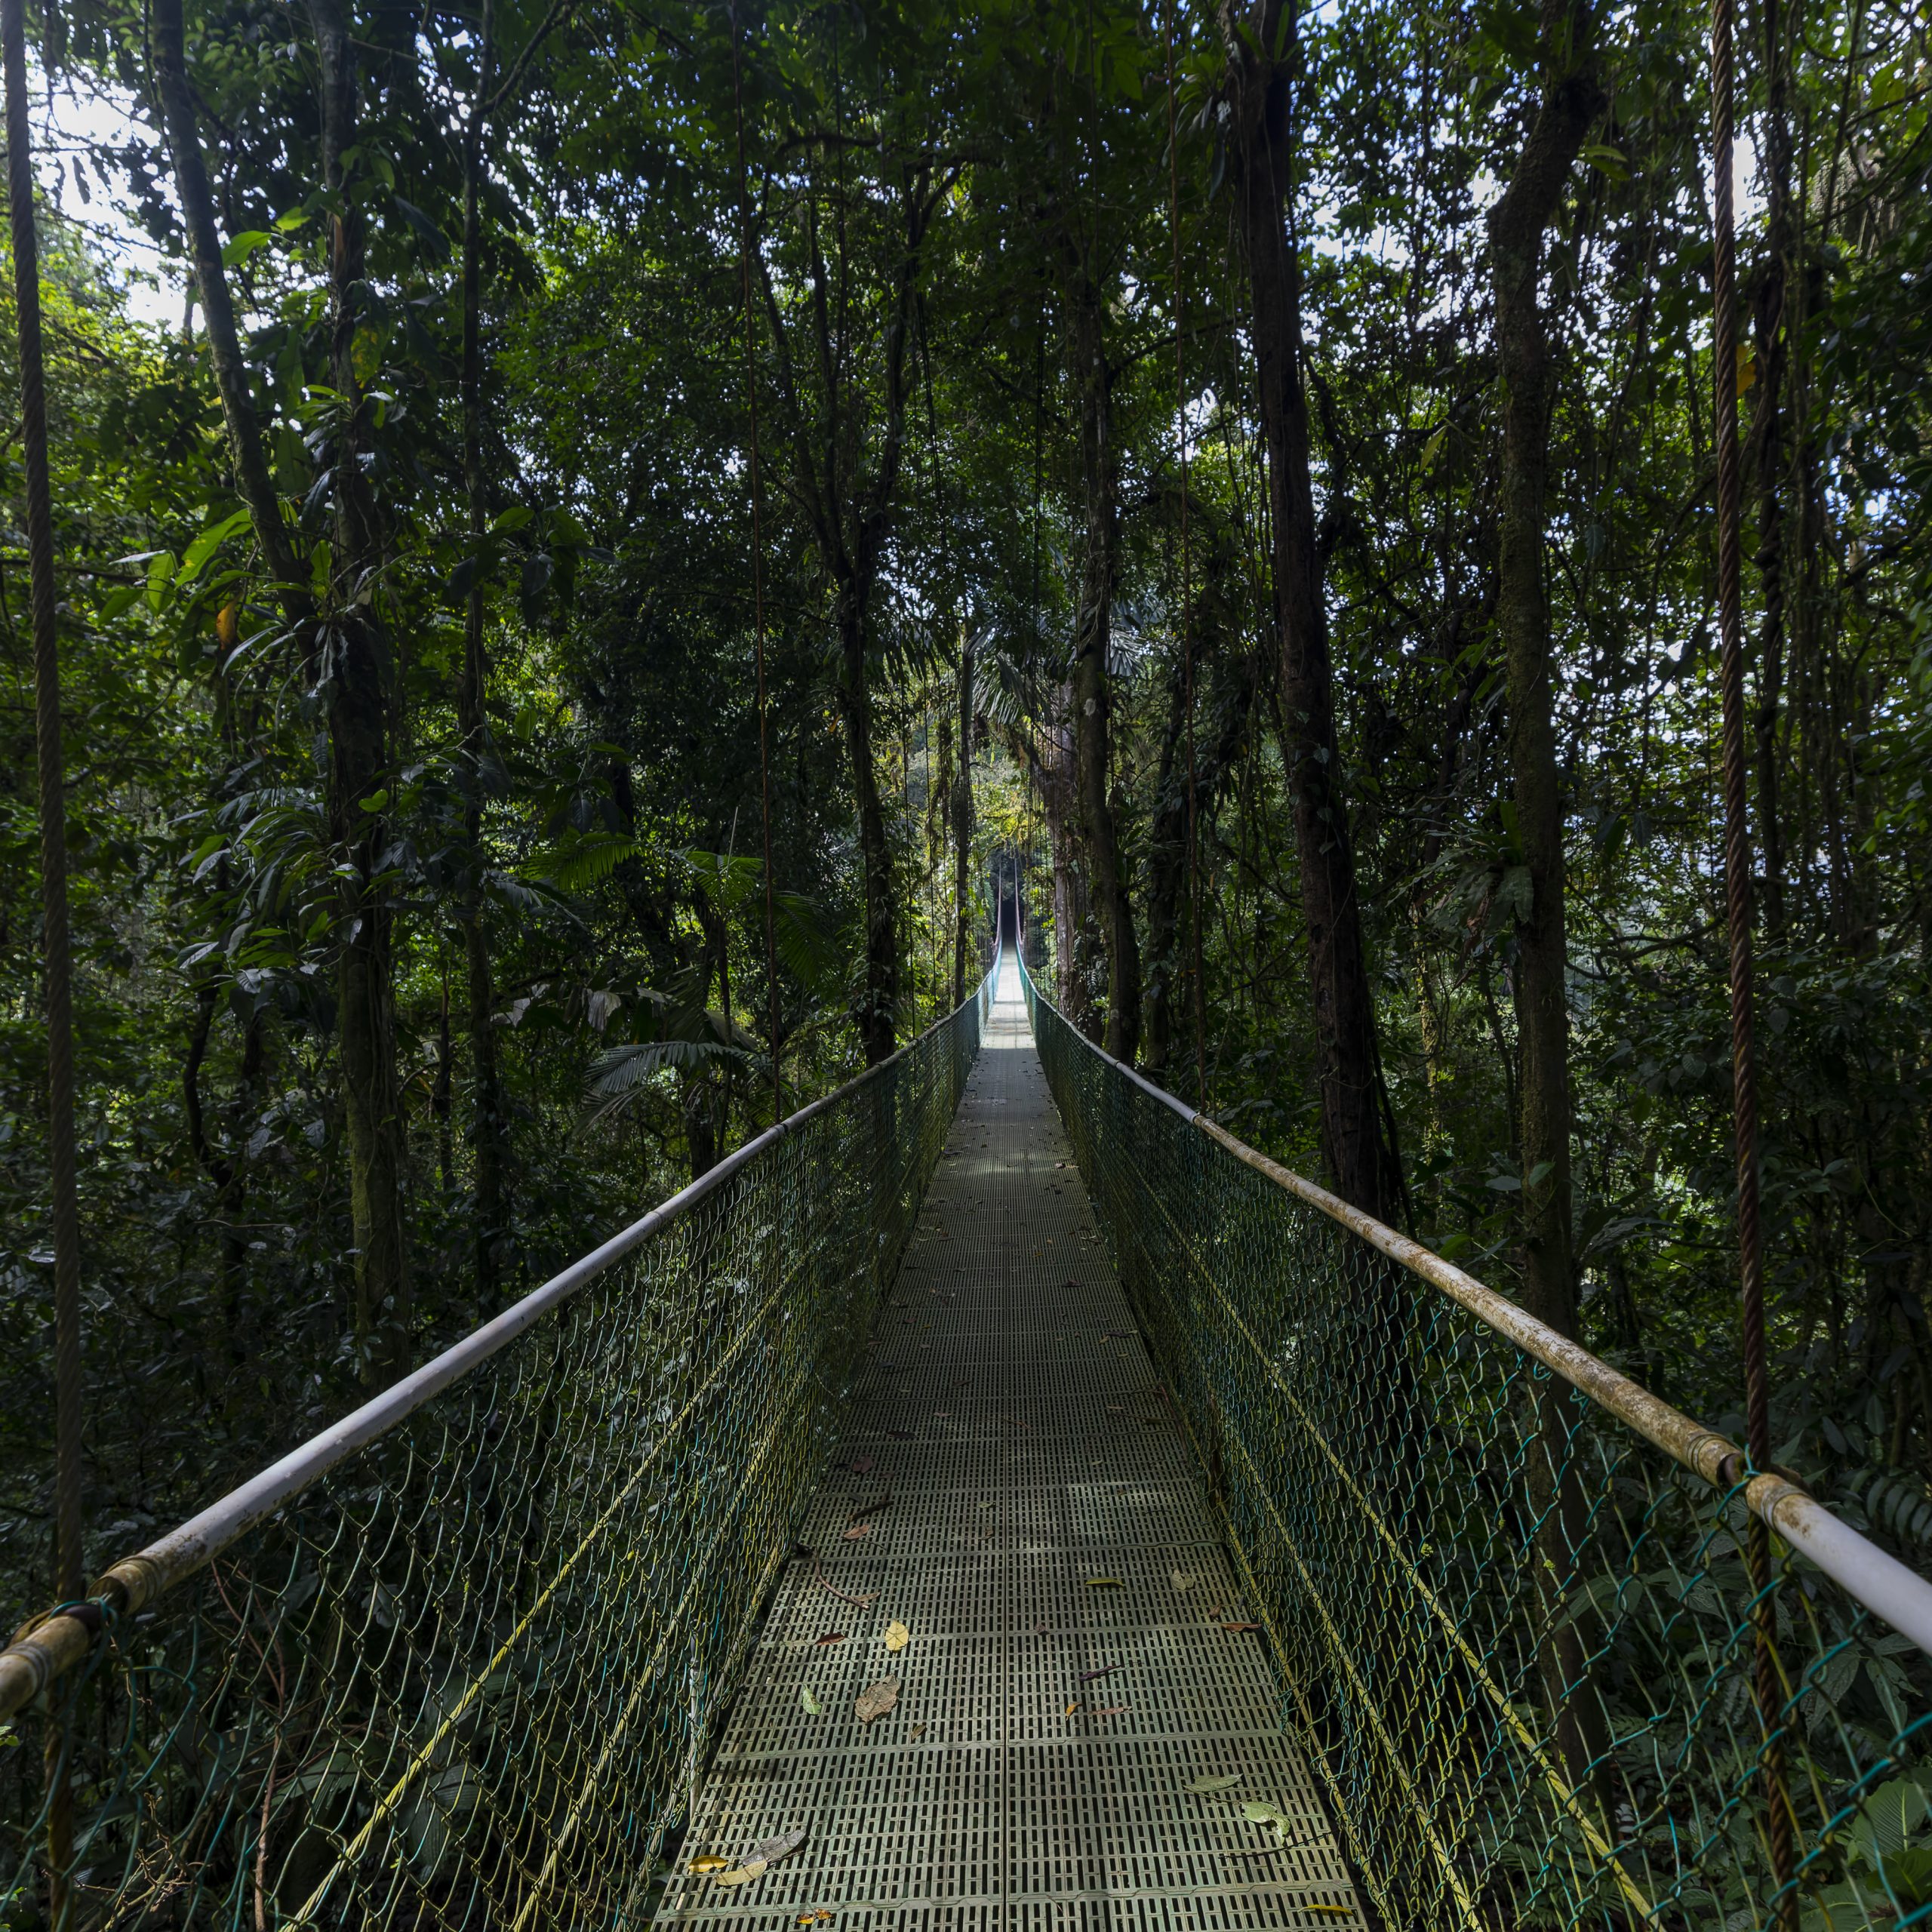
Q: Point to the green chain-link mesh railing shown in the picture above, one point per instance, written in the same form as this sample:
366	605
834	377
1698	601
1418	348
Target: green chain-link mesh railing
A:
1514	1632
464	1674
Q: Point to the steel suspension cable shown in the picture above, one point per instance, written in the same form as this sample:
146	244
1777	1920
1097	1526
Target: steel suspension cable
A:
1737	907
758	569
68	1576
1186	588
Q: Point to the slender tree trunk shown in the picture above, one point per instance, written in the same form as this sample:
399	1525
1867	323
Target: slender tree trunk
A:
252	480
344	652
878	1021
1517	225
1772	362
51	802
487	1206
358	709
1092	685
851	515
962	827
1259	93
1166	869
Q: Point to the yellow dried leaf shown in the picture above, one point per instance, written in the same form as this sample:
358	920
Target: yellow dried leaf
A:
743	1875
1105	1583
708	1861
896	1635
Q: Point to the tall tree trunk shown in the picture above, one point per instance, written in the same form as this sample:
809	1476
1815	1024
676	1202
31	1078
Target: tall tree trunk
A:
1050	762
1517	225
1092	686
962	826
1166	841
472	706
878	1016
1773	361
1259	136
343	652
357	667
851	515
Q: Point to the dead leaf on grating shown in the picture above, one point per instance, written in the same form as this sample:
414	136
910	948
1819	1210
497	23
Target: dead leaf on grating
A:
1105	1583
875	1701
743	1875
1113	1710
1182	1581
808	1698
1226	1781
769	1851
857	1531
1106	1670
708	1861
1241	1626
896	1635
832	1637
862	1465
1071	1708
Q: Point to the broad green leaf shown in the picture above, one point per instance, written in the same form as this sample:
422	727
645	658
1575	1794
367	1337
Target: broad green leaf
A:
244	244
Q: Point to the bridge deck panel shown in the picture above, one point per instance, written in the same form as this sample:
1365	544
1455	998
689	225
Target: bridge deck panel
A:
1012	1416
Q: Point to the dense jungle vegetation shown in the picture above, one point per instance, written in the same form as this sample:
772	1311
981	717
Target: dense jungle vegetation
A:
1285	544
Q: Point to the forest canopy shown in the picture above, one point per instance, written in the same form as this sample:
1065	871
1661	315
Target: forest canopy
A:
650	518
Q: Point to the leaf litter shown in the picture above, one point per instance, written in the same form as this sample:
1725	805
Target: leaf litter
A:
874	1702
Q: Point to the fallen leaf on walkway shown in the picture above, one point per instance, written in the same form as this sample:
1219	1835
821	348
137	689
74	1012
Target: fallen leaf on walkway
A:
743	1875
896	1635
1113	1710
870	1509
769	1851
1226	1781
809	1697
917	1730
1183	1580
1105	1583
1258	1811
857	1531
1241	1626
1041	1630
876	1701
1106	1669
832	1637
862	1465
1071	1708
708	1861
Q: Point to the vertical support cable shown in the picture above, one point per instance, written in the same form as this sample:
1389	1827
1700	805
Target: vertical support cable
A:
68	1578
1737	907
1186	588
757	565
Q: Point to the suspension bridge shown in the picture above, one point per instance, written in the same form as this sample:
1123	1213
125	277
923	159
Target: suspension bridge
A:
993	1497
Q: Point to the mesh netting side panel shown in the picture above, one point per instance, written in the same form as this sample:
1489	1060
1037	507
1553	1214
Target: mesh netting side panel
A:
466	1678
1513	1638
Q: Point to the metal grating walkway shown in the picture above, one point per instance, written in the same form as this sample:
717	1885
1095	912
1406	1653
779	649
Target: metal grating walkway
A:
1011	1413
